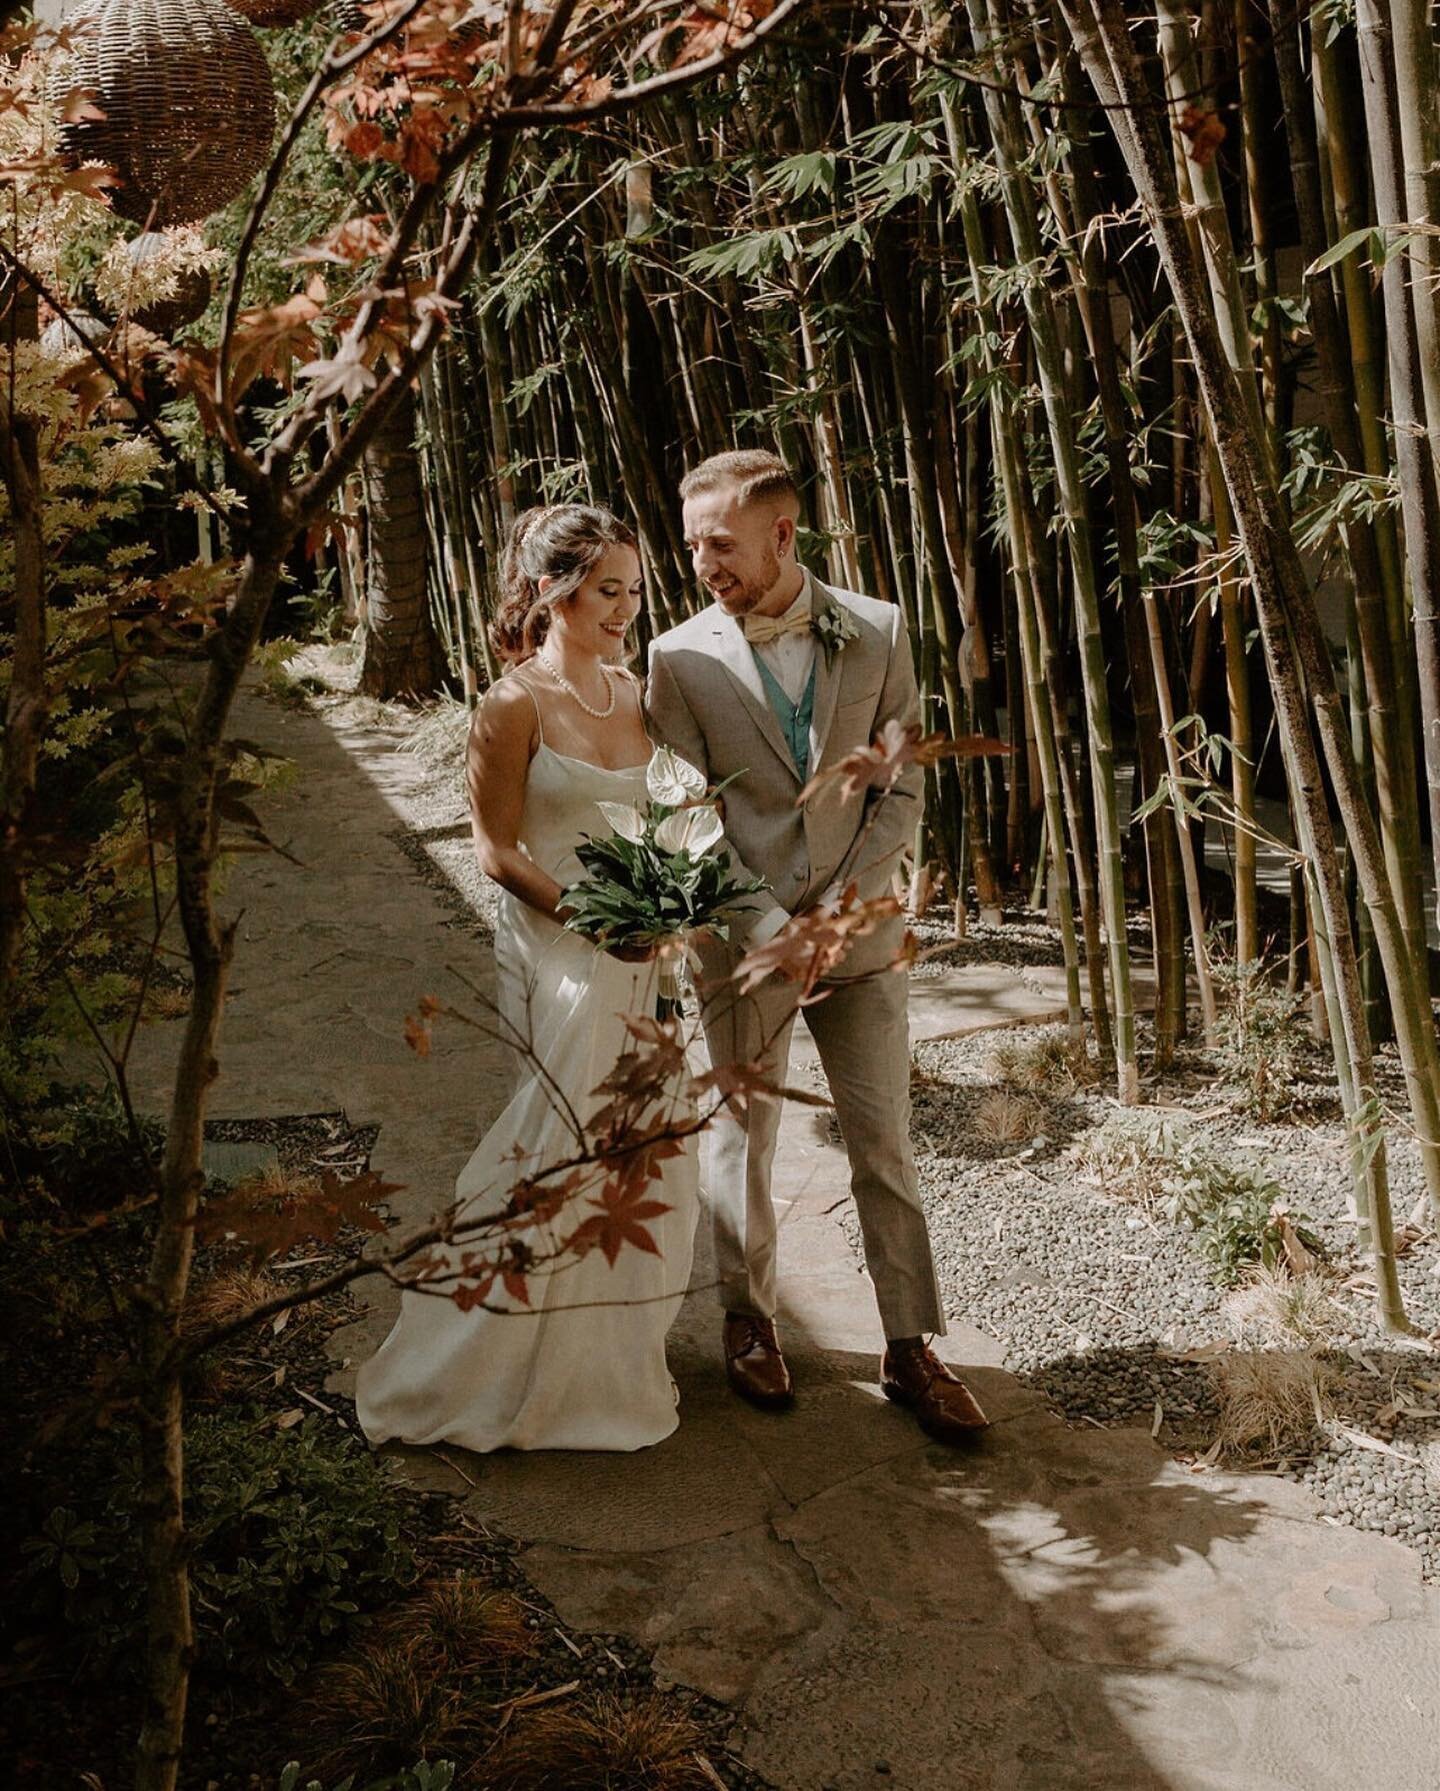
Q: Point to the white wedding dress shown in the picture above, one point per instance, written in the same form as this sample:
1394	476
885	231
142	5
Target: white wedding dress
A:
585	1369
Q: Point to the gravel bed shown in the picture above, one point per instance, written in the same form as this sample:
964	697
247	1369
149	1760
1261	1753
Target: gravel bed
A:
306	1143
1097	1303
1024	942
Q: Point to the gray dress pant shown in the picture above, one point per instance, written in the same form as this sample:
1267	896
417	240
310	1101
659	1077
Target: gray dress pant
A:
862	1032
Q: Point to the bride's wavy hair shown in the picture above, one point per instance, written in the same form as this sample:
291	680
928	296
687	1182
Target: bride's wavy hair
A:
561	542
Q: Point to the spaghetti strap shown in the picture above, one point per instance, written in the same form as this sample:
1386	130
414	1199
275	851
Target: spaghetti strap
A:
539	718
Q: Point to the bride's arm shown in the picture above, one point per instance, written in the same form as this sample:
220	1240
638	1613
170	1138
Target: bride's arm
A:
503	738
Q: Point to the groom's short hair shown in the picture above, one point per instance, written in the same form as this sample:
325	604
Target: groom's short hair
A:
757	475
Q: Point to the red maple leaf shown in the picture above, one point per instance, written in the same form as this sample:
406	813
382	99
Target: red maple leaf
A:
620	1221
355	239
467	1295
515	1285
271	1223
716	26
639	1079
539	1202
623	1203
895	746
810	945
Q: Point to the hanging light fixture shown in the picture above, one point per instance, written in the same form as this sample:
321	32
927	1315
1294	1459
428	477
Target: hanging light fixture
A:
274	12
188	101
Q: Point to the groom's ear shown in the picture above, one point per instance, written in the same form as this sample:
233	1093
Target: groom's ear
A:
784	534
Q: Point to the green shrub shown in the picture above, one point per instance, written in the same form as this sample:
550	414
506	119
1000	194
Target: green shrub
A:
294	1532
1261	1037
85	1149
1234	1213
1236	1216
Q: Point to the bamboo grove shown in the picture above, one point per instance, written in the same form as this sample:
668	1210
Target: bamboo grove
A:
1108	345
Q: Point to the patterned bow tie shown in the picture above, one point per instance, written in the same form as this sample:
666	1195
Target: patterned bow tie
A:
760	629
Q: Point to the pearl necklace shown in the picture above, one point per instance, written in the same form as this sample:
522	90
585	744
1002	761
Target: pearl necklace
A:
570	690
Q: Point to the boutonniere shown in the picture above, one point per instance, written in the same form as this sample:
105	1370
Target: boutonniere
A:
834	627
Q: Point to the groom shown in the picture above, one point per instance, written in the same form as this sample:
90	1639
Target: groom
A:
781	675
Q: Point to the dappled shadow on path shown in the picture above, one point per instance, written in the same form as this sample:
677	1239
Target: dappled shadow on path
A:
1001	1614
1022	1613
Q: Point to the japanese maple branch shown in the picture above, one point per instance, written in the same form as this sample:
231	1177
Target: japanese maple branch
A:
144	410
115	1062
311	496
628	98
442	1231
329	69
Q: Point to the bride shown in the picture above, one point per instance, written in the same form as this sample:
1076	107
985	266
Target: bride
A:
583	1365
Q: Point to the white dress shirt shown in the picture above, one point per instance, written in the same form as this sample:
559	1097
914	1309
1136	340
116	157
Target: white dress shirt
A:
789	657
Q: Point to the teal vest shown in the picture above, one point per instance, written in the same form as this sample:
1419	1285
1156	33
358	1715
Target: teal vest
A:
794	718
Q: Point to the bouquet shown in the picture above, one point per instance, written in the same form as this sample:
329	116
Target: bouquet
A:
659	875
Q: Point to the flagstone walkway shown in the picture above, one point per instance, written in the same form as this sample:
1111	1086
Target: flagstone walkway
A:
1058	1610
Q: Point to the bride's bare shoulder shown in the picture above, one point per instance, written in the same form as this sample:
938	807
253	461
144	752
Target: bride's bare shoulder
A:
508	711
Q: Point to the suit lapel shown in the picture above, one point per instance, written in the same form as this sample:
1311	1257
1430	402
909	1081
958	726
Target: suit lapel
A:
829	670
736	655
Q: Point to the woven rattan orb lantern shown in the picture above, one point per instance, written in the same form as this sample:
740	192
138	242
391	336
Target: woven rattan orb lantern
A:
188	103
274	12
76	330
191	295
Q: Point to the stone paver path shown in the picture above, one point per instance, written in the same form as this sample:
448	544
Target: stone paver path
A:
1060	1609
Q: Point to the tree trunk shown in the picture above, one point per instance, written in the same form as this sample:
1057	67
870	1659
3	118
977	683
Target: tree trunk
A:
196	834
1384	682
403	659
1419	494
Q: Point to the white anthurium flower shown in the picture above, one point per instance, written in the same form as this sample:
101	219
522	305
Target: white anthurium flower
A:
673	780
693	830
628	822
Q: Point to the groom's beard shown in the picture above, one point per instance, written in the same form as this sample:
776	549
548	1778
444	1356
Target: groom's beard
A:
744	594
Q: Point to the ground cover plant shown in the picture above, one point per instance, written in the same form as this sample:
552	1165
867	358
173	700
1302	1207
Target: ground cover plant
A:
1234	1212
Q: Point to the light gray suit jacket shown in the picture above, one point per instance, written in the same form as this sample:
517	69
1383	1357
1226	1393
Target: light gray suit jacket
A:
707	701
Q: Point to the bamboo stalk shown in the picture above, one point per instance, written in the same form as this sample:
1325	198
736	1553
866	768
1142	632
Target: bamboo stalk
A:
1285	609
1372	596
1242	736
1193	900
1419	501
1040	710
1149	670
988	28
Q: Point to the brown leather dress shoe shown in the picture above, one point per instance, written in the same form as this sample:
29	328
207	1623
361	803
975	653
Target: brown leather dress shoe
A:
945	1408
754	1366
